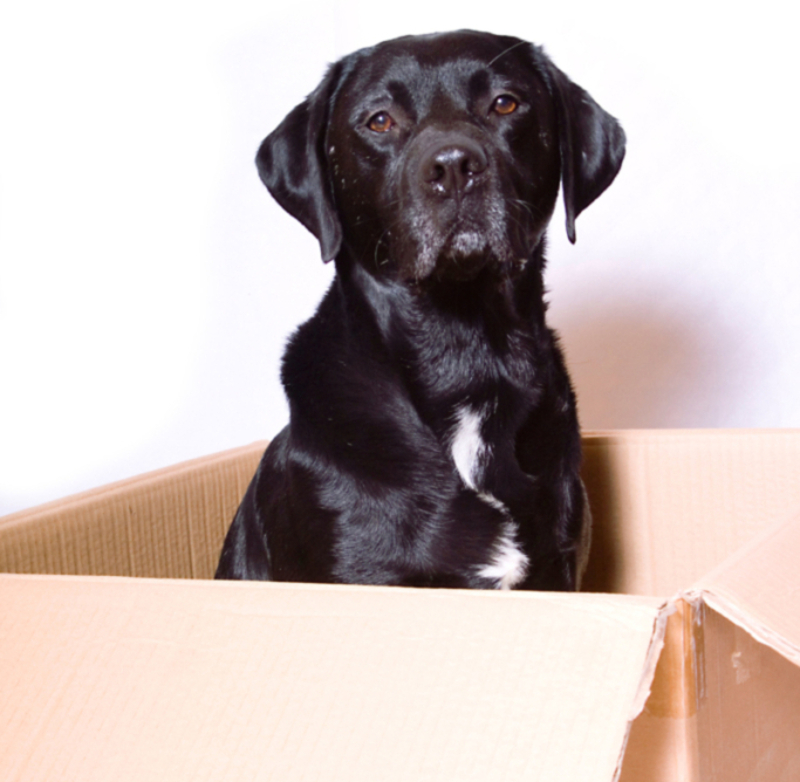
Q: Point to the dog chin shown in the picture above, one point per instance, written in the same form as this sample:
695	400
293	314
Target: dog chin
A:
467	244
468	254
459	269
465	268
462	255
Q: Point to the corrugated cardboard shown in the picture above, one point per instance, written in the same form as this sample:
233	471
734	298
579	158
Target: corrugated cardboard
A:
688	668
165	524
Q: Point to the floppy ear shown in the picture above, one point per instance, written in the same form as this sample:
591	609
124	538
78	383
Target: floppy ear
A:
291	163
592	146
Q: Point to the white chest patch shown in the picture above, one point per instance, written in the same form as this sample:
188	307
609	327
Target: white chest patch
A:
508	565
467	447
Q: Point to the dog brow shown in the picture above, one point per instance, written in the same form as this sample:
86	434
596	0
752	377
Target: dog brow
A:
400	94
505	52
479	84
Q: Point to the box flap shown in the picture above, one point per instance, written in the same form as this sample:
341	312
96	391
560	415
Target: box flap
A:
139	679
723	706
662	746
758	588
725	696
745	724
673	504
169	523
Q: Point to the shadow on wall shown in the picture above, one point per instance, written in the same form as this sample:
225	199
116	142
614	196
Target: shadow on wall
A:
640	362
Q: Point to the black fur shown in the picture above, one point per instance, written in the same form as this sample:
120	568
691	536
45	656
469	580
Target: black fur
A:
428	168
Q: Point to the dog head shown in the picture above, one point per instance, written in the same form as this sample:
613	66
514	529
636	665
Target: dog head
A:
433	156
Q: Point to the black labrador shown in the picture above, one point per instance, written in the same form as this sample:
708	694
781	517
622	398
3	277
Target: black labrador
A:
433	438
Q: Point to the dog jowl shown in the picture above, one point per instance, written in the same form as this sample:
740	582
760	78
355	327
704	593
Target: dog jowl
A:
433	436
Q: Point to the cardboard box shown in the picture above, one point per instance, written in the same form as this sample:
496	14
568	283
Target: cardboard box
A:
681	662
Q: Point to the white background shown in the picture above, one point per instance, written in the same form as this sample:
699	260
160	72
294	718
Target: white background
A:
148	283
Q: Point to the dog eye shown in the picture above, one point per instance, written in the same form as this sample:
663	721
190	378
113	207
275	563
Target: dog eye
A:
380	122
505	104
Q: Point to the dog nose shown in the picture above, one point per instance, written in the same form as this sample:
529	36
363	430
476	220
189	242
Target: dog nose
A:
452	169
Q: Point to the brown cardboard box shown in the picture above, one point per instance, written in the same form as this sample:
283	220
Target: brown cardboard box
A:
680	663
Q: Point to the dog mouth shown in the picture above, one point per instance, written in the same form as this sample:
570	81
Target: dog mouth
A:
462	256
469	246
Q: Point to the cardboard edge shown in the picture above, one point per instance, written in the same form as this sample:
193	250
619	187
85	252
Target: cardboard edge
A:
127	484
169	522
746	691
653	654
730	587
679	433
648	674
743	619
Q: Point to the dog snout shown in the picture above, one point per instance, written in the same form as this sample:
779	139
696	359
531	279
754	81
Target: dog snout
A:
453	168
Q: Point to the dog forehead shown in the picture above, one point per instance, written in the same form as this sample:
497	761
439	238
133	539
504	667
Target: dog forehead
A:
439	48
460	64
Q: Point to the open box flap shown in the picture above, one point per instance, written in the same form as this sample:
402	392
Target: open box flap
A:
140	679
168	523
747	670
758	588
653	663
725	694
674	504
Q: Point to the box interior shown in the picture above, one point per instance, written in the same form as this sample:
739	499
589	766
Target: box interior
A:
668	507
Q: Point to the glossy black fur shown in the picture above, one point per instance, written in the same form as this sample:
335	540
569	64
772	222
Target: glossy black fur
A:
437	229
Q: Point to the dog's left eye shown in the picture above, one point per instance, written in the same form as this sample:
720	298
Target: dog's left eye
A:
380	122
505	104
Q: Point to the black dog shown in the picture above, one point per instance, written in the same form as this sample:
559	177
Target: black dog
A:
433	438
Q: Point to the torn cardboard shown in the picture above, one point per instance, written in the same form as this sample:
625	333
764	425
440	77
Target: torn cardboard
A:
687	669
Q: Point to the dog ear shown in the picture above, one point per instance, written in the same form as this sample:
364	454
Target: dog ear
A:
592	146
291	163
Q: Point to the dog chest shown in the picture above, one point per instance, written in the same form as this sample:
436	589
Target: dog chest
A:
468	449
507	565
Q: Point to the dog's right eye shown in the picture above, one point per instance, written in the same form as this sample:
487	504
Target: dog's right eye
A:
380	122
